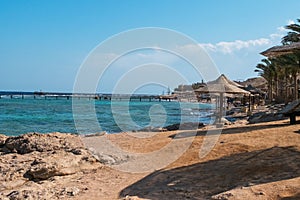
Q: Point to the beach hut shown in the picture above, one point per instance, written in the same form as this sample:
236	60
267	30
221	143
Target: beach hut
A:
221	86
281	50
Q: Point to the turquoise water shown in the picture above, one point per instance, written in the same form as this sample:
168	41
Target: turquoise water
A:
19	116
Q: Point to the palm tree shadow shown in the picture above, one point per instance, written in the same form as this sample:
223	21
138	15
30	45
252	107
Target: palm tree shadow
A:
296	197
229	130
202	180
297	131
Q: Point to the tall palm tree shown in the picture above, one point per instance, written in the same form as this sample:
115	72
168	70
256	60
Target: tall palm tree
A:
282	68
293	35
267	70
287	71
293	60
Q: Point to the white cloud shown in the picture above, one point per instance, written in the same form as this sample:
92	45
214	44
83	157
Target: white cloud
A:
281	29
290	22
225	47
275	36
229	47
238	58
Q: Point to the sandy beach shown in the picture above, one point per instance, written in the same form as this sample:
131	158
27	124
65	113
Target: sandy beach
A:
150	100
255	161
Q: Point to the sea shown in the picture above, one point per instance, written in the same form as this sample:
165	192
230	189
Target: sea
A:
19	116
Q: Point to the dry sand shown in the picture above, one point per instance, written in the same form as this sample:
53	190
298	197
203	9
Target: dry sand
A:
257	161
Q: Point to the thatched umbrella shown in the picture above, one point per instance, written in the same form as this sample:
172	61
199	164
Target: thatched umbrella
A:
281	50
231	82
221	86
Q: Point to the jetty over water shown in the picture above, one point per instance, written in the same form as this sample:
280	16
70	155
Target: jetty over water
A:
96	96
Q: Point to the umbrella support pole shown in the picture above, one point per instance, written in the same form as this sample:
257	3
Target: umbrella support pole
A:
221	108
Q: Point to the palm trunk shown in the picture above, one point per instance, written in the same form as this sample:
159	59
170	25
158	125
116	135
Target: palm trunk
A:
271	90
286	90
296	86
276	89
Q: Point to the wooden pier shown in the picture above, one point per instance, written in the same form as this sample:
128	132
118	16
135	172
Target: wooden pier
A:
69	96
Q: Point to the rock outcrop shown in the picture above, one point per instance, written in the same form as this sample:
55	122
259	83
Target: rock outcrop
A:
2	140
265	117
31	160
185	126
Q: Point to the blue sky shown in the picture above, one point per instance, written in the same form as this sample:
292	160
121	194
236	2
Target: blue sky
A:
43	43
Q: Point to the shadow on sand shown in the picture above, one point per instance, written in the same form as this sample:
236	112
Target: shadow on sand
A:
202	180
296	197
228	130
297	131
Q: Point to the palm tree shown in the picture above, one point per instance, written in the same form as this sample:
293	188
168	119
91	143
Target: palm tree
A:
287	72
267	70
283	66
293	35
293	60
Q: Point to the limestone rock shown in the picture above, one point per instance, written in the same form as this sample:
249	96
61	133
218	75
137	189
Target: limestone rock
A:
60	163
31	163
28	143
70	191
264	117
153	129
2	139
184	126
107	159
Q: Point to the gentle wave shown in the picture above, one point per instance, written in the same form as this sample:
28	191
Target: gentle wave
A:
19	116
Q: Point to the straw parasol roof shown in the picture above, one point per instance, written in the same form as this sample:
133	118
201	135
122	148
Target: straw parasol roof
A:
232	82
222	85
281	50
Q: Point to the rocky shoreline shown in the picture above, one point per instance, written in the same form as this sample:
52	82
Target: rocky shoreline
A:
59	166
32	165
